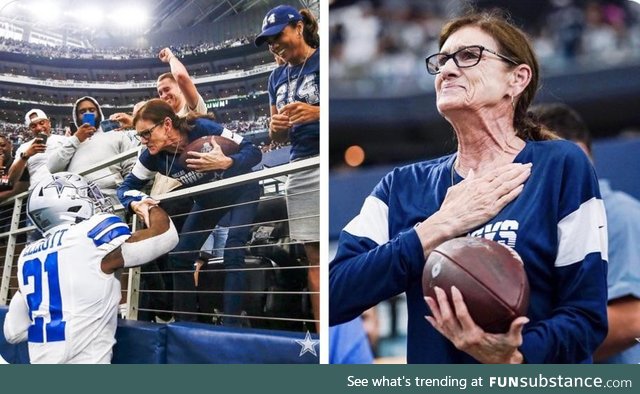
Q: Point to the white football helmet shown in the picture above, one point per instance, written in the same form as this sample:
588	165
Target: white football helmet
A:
64	197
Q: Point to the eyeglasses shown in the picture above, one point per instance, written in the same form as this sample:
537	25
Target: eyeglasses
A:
146	134
463	58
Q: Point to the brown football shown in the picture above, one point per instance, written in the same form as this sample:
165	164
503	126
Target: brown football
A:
489	275
203	145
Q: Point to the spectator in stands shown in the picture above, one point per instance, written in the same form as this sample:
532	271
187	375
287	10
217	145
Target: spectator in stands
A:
178	90
154	306
8	189
6	159
176	87
623	228
165	134
6	153
91	145
33	154
294	95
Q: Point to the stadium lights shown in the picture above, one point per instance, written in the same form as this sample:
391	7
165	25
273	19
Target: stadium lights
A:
90	15
45	11
130	17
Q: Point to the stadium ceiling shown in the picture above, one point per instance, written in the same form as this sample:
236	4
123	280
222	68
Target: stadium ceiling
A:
188	13
80	17
179	14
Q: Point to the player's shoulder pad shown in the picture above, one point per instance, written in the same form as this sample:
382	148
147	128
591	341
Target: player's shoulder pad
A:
104	228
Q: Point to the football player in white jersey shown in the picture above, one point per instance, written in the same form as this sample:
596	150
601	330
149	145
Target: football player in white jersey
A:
68	299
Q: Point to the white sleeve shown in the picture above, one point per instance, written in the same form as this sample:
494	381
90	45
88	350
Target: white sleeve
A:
141	252
60	155
17	321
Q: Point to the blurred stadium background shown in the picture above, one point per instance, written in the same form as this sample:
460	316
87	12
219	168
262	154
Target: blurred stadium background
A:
382	103
54	52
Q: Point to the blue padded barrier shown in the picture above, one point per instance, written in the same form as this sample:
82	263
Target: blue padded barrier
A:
137	343
197	343
190	343
13	354
140	343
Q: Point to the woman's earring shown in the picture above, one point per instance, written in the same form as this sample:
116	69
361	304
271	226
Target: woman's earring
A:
513	102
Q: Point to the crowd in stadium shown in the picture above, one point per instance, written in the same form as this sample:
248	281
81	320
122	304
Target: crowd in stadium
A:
71	52
176	121
374	39
18	133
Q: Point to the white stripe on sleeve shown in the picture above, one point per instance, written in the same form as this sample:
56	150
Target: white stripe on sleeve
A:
141	172
237	138
372	222
582	232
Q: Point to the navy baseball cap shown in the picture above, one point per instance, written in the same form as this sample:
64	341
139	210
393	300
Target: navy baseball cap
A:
276	20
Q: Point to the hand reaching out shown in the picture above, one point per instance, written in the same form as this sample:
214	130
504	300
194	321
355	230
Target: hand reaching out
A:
126	120
141	208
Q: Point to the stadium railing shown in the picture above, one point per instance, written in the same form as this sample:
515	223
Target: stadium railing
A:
277	290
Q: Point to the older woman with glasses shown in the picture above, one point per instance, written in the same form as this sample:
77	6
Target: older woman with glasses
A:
166	135
510	181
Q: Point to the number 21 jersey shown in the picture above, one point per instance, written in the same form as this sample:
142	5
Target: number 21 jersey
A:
72	303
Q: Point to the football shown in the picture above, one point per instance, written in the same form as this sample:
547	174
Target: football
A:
489	275
203	145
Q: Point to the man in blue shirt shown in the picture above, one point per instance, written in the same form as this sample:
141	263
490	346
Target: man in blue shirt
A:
623	216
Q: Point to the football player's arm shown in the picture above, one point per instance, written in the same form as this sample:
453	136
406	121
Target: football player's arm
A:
17	321
144	245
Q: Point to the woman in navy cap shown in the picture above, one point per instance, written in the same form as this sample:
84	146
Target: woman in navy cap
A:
294	96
